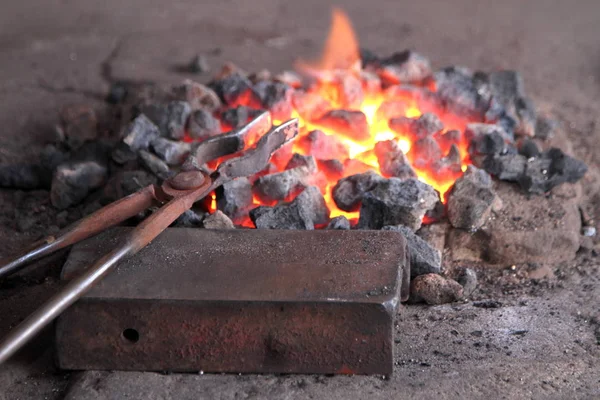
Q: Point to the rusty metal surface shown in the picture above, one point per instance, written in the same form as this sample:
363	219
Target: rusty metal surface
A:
240	301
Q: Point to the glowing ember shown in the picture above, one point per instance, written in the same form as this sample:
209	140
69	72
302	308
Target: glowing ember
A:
346	111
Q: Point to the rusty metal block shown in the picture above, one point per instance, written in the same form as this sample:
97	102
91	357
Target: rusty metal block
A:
240	301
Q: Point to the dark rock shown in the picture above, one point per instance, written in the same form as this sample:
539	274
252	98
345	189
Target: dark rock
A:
238	117
392	161
79	124
461	93
396	202
332	169
468	280
471	200
347	90
528	148
306	210
527	117
129	182
434	289
486	139
487	304
218	220
73	181
234	197
275	97
450	165
290	78
368	58
170	118
198	96
339	222
322	146
203	124
282	185
417	128
404	67
139	133
348	192
232	87
545	127
448	139
122	153
25	176
550	169
506	167
349	123
199	65
424	259
298	160
170	151
189	219
155	165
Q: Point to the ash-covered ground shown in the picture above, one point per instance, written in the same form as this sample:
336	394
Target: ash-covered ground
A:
533	331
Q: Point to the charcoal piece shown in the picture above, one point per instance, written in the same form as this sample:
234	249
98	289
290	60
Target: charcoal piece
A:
281	185
545	127
472	199
234	197
506	86
79	124
51	157
450	165
486	139
203	125
170	118
448	139
392	161
299	160
122	153
263	75
170	151
25	177
198	96
371	84
117	93
552	168
189	219
349	123
323	146
526	116
199	64
332	169
129	182
425	152
218	220
238	117
434	289
391	109
304	212
73	181
368	58
528	148
467	278
139	133
424	259
506	167
404	67
339	222
417	128
275	97
232	87
155	165
348	90
310	105
290	78
349	191
461	93
396	202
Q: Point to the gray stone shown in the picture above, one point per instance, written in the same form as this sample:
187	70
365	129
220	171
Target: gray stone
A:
472	199
552	168
417	128
154	164
299	160
203	125
339	222
404	67
396	202
425	152
73	181
434	289
322	146
281	185
218	220
424	259
460	93
170	118
189	219
234	197
506	167
348	192
304	212
198	96
139	133
170	151
467	278
486	138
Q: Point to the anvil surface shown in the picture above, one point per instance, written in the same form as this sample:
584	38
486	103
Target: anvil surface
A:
242	300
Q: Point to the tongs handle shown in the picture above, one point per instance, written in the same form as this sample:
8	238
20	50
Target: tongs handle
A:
137	239
91	225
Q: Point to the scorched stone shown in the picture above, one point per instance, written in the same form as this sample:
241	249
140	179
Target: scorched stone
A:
348	192
424	259
234	197
203	124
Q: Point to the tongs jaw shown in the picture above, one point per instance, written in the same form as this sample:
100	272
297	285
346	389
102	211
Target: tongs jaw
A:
178	194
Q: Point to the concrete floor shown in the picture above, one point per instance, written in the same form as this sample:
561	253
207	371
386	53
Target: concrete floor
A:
56	52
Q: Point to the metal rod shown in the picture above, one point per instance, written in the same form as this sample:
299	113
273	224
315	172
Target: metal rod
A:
91	225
